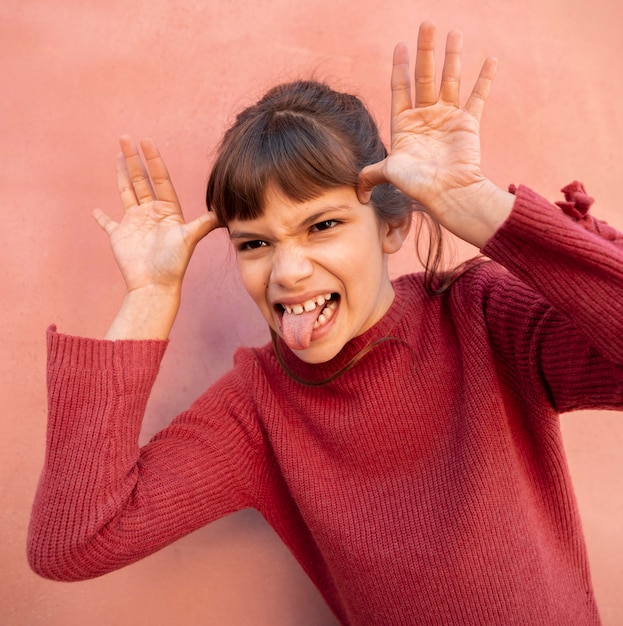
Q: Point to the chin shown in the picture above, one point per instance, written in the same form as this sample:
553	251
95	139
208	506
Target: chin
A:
314	355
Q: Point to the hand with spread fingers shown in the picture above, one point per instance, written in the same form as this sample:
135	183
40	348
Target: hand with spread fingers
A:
152	243
435	143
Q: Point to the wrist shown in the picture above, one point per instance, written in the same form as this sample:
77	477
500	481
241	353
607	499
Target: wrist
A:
146	313
475	212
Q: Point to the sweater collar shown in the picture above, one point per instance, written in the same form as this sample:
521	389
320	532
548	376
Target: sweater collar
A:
383	328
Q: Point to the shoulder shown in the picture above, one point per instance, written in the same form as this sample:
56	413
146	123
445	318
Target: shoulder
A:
255	362
484	296
472	285
251	366
232	408
491	292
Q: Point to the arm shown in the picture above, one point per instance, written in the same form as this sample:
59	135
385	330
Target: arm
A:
552	323
574	266
563	319
103	502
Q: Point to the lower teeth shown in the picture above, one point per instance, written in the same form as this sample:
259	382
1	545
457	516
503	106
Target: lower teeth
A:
322	318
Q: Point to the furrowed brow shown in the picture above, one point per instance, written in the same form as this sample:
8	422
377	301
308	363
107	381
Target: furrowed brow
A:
309	221
318	216
241	234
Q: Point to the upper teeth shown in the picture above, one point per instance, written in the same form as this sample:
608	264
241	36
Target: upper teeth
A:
308	305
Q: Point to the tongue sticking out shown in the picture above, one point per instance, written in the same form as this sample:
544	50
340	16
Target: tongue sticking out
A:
297	329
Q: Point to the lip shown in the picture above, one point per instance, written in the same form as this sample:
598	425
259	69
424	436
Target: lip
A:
300	298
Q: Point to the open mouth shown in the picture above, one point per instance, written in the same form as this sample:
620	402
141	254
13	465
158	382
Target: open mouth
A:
299	321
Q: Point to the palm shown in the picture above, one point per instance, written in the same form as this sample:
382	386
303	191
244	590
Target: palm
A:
444	142
152	243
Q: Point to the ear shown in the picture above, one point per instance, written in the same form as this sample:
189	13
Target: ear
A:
395	232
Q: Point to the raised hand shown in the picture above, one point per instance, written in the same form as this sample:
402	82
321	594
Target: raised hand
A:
435	143
152	243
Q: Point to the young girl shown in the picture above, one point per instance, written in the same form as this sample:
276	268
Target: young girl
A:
403	437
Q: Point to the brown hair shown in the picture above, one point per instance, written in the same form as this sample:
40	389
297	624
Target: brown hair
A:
303	137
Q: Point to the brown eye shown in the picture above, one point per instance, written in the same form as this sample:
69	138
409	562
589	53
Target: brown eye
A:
326	225
252	245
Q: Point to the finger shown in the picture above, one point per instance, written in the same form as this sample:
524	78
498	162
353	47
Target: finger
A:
425	93
201	226
451	73
124	184
104	221
136	171
400	80
476	101
158	172
369	177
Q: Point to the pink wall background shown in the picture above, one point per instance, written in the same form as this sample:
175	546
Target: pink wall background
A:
78	74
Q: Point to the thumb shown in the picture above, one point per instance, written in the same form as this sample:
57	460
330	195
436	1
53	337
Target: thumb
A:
201	226
105	222
369	177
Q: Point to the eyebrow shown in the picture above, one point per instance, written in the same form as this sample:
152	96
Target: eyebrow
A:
310	220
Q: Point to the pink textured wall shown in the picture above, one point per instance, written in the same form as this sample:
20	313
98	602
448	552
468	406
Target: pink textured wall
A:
78	74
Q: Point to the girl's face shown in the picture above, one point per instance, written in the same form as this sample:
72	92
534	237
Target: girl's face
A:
317	269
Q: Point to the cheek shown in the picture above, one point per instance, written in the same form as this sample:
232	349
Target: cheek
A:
254	279
356	256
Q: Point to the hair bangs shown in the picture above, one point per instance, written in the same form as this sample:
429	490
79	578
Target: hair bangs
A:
289	151
304	158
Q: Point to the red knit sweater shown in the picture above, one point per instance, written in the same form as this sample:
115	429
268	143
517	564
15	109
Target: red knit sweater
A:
427	485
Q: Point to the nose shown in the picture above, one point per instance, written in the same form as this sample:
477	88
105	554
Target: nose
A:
291	264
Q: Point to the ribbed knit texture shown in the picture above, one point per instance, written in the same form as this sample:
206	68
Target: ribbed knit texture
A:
427	485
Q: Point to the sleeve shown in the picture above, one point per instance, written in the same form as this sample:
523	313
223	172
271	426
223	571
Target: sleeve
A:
559	317
103	502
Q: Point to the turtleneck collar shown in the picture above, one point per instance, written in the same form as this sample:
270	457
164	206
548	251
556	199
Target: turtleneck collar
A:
315	372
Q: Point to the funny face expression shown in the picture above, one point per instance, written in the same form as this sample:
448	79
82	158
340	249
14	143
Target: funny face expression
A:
317	269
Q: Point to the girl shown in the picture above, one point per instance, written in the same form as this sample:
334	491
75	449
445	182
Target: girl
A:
401	437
